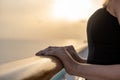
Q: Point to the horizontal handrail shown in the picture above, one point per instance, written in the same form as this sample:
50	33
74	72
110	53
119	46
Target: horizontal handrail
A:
34	68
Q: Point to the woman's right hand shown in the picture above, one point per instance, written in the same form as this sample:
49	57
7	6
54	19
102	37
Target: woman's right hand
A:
74	54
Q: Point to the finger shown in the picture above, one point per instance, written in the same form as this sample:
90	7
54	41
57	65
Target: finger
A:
52	47
42	52
73	53
70	48
46	51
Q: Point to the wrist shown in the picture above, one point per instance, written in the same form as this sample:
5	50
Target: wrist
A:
72	69
79	69
76	69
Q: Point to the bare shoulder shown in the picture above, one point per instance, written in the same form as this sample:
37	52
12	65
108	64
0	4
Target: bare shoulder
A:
117	5
116	8
116	2
113	7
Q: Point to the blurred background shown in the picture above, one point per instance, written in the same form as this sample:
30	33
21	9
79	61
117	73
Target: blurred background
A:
27	26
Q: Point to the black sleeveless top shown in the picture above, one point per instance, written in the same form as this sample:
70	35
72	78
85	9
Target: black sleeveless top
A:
103	33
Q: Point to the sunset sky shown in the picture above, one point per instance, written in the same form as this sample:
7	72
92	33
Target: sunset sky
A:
32	19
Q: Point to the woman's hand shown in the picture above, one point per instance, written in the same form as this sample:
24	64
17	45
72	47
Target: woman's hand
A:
63	53
70	49
52	51
74	54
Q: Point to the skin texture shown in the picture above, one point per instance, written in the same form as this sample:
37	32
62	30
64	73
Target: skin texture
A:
114	9
88	71
76	66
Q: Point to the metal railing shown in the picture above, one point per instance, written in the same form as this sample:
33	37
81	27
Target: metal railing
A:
34	68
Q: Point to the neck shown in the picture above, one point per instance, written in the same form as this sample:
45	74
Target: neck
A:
110	8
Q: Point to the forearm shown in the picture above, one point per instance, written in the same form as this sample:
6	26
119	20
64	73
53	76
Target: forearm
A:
97	72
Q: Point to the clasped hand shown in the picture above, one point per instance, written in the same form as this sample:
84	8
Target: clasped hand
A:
67	55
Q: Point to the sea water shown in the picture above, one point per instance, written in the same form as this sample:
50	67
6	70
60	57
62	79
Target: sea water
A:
11	50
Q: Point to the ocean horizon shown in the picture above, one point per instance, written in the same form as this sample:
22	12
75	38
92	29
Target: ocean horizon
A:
12	50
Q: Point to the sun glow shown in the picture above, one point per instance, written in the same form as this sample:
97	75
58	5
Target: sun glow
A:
72	9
